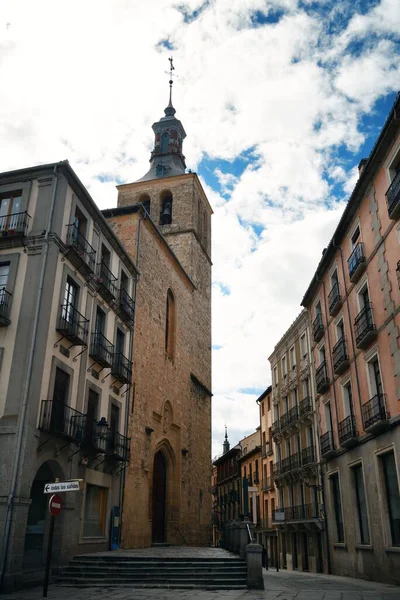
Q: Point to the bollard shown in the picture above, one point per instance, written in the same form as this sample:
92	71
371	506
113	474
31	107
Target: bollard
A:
255	579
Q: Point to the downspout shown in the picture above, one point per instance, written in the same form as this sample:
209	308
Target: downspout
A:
127	407
350	324
24	404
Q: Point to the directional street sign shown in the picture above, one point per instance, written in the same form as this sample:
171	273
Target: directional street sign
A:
63	486
55	505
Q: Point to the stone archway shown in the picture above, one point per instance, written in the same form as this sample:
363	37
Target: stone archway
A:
159	498
38	515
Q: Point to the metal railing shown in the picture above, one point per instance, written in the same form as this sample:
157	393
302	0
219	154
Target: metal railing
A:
101	350
14	224
73	325
327	443
126	305
301	512
106	280
275	427
121	367
267	484
393	194
347	429
82	248
321	377
374	410
308	455
364	323
5	303
119	446
339	353
305	406
318	327
334	297
62	420
290	463
356	258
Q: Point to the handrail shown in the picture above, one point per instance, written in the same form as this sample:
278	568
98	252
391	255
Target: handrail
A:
249	533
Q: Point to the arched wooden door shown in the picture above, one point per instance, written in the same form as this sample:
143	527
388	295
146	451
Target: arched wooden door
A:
159	498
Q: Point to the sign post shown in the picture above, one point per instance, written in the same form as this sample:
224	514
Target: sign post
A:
55	505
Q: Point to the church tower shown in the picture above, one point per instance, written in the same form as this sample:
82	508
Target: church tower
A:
164	222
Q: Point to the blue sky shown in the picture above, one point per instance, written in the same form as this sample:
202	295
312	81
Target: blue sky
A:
280	100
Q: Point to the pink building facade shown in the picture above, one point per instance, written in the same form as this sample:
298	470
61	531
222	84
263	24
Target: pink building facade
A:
354	305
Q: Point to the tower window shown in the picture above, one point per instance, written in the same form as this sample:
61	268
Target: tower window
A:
170	325
164	142
145	200
166	208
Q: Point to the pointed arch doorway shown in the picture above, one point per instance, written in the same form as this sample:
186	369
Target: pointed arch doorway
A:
159	499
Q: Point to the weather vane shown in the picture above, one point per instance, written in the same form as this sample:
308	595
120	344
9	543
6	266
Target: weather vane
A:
171	75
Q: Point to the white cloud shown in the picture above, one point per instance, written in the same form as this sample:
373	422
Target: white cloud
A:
87	82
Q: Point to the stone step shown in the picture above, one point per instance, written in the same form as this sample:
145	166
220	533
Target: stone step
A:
187	584
165	567
164	574
152	559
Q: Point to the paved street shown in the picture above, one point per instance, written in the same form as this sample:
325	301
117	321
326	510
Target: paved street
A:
278	586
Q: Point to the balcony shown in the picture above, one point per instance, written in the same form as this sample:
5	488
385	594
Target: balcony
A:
126	306
365	327
62	420
290	463
308	456
334	300
106	282
97	436
121	368
73	325
305	407
5	305
275	428
101	350
393	198
327	445
14	225
356	263
348	434
318	328
321	378
292	416
374	414
341	359
80	252
267	484
119	446
277	470
301	512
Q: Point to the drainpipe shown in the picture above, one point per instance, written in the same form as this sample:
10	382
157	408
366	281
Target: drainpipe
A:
127	407
350	324
24	403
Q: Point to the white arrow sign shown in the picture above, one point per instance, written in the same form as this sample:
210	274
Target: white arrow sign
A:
62	486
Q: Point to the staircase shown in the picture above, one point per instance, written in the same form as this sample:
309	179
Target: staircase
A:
111	570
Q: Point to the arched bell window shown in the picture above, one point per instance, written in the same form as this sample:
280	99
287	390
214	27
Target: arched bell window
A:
170	325
166	208
145	200
164	142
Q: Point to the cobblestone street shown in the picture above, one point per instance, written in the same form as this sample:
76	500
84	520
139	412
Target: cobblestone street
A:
278	586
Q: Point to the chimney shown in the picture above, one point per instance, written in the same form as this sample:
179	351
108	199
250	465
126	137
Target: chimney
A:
361	166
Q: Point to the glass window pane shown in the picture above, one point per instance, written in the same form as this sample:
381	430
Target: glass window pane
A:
392	496
337	504
361	505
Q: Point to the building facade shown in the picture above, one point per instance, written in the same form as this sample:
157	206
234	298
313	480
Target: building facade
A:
299	514
228	487
267	531
250	470
354	303
67	300
164	222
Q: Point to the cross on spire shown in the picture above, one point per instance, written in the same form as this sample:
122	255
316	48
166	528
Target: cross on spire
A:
170	111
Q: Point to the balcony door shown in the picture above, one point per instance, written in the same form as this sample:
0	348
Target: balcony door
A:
70	300
9	207
60	395
92	415
114	424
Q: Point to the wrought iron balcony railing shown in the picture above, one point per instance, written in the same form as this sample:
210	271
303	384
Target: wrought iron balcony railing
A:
334	299
275	428
5	305
374	412
81	254
321	378
318	327
293	415
126	305
267	484
106	281
96	438
340	357
73	325
327	444
277	469
119	446
301	512
305	406
290	463
348	433
62	420
356	262
308	455
101	350
365	326
14	225
121	368
393	198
